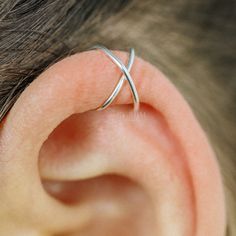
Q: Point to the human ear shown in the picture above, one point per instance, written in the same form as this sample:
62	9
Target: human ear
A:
65	167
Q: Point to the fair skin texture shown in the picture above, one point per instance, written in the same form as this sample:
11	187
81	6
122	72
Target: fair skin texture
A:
162	149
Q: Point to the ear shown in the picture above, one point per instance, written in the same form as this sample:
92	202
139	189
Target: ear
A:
66	167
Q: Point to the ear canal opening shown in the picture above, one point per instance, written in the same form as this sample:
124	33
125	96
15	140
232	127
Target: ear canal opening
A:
103	188
119	205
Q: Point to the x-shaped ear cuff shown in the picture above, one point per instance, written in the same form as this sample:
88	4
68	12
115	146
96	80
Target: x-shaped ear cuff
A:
126	76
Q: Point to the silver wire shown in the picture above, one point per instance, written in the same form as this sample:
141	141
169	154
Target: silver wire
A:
126	76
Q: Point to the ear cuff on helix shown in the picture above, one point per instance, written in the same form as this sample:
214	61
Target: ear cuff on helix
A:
126	76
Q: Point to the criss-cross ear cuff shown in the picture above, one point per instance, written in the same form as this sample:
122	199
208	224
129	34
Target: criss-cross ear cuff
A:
66	168
126	75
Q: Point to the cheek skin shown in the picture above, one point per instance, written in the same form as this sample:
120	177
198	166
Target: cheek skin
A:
165	151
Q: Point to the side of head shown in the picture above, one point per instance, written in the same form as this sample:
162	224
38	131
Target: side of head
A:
92	169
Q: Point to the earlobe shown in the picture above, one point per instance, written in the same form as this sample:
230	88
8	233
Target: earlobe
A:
162	149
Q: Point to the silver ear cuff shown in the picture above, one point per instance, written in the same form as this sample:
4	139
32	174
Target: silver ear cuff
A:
126	76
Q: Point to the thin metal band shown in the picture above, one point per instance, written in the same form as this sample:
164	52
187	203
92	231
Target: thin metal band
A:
126	75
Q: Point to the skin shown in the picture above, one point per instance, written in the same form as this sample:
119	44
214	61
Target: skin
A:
57	154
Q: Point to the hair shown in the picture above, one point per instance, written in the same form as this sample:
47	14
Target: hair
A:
191	41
